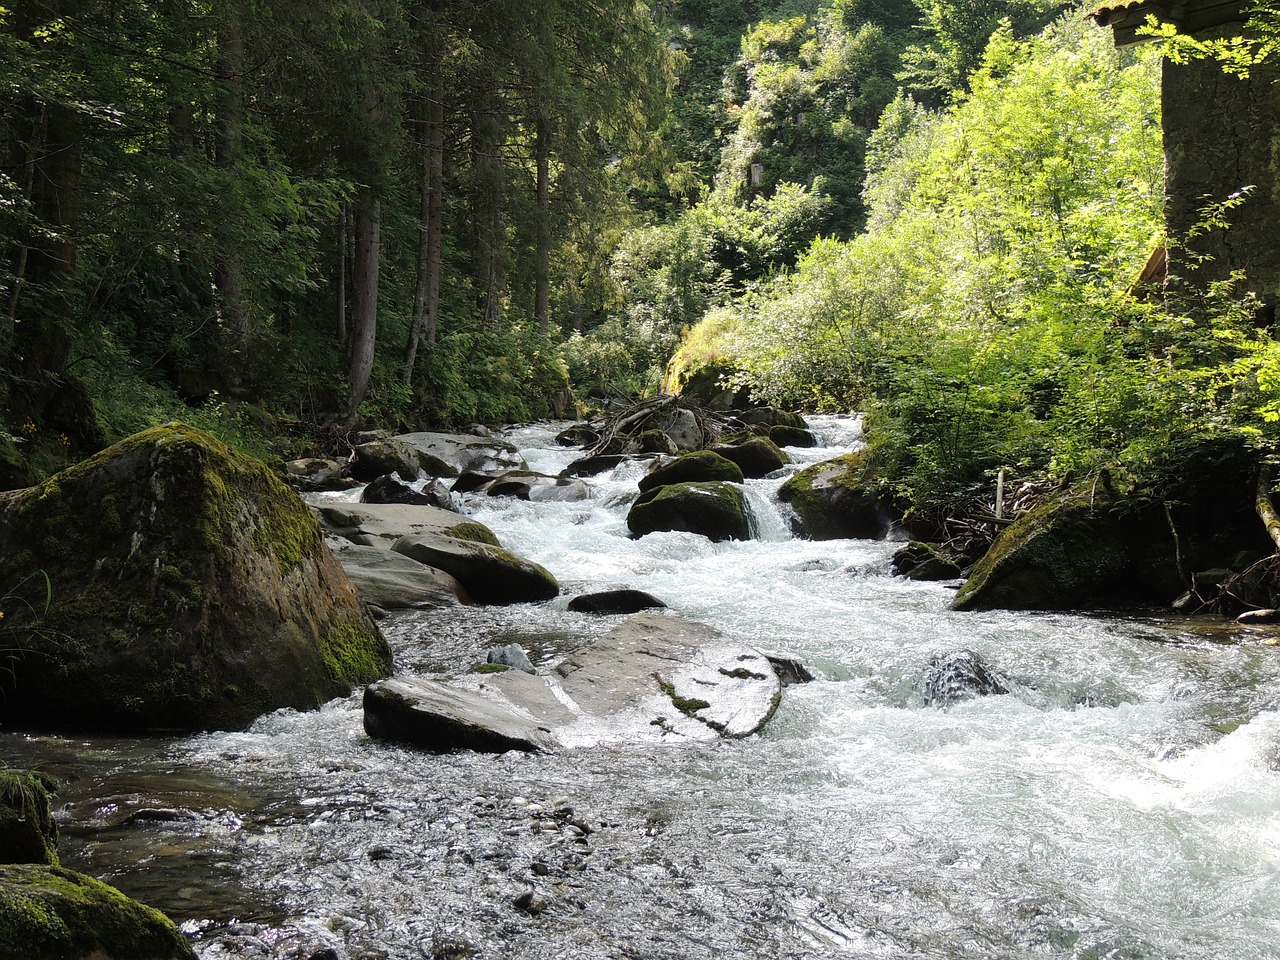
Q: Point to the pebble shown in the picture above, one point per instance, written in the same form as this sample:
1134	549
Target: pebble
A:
531	902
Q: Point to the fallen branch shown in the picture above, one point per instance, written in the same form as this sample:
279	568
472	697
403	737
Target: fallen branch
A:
1266	509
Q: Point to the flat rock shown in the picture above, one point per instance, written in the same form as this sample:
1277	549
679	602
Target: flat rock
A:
615	601
393	581
382	524
491	575
653	679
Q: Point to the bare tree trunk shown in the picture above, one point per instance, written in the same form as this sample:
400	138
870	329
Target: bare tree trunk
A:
542	279
368	228
487	205
426	303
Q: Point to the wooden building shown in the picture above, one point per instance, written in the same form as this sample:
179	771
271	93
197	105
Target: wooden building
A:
1221	141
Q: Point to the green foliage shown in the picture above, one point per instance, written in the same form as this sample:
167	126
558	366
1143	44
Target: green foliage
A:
981	322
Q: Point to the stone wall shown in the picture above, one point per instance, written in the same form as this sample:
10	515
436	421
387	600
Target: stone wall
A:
1222	134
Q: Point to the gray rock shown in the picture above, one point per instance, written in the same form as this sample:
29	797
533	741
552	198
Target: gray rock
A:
388	489
685	432
444	717
392	581
593	466
381	524
490	575
462	452
537	487
511	655
653	679
317	474
959	675
381	457
790	671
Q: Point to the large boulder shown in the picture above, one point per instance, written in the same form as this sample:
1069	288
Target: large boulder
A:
756	457
48	913
378	458
454	453
1097	543
699	466
836	500
1078	549
651	679
490	575
959	675
717	511
27	831
169	582
537	487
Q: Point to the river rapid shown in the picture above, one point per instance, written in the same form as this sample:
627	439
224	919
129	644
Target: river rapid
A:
1123	802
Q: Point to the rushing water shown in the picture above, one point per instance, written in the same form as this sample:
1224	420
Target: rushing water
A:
1123	802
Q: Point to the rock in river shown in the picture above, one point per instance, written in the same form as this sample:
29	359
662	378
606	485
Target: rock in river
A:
489	574
187	588
717	511
653	679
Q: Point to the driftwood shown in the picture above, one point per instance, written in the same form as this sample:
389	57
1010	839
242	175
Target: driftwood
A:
1266	509
655	413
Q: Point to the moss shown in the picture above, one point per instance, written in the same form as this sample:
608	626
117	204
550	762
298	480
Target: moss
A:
697	466
490	668
48	913
714	510
27	831
686	705
472	532
356	654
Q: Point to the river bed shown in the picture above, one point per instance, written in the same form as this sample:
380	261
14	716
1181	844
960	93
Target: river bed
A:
1123	802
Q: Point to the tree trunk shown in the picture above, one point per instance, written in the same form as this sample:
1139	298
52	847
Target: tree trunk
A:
229	271
427	296
542	280
341	313
487	205
368	228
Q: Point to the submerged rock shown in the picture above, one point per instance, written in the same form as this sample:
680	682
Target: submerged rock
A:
835	499
48	913
959	675
717	511
652	679
187	588
924	561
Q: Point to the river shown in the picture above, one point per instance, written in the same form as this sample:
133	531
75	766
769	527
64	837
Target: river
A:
1123	802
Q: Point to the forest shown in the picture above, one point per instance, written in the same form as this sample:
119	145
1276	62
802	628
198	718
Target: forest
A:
280	222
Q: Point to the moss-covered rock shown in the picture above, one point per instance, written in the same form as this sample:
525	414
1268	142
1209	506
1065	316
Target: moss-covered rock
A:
15	471
1078	549
755	456
837	499
48	913
715	510
787	436
699	466
650	441
27	831
187	588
